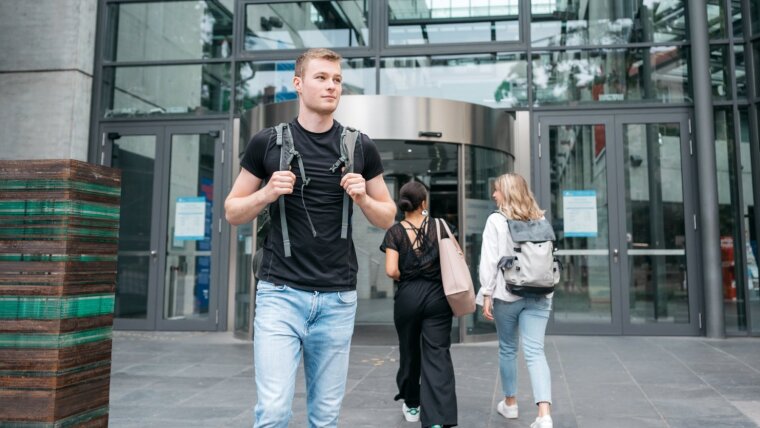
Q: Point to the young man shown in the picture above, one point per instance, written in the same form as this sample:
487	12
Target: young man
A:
306	303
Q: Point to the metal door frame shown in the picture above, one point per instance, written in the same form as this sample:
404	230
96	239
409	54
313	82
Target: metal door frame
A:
217	319
614	120
543	122
690	206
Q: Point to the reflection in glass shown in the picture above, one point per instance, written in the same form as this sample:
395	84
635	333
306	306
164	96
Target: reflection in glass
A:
187	283
563	23
716	19
498	81
169	30
752	278
243	279
578	162
756	49
272	82
736	16
720	72
435	165
655	74
740	71
135	156
655	224
306	24
482	166
423	23
729	222
754	8
169	89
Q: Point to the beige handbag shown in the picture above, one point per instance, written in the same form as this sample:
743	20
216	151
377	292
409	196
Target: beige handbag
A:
457	282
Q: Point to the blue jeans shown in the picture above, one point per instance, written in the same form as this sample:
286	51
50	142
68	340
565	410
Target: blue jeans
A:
287	323
530	315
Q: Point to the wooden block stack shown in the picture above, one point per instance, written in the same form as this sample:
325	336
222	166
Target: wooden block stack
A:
59	226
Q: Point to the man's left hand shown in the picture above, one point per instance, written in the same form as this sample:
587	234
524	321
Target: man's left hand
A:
355	185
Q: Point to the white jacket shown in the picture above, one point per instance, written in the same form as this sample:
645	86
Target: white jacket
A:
497	243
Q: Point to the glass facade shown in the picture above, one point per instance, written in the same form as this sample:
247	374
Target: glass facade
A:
443	21
561	23
200	89
203	60
657	74
161	31
306	24
495	80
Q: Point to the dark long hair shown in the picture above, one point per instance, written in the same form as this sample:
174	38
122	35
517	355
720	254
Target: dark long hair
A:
411	196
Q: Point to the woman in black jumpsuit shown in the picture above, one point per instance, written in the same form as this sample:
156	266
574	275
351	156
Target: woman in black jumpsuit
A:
421	314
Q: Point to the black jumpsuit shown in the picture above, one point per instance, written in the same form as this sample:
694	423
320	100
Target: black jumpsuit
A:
423	321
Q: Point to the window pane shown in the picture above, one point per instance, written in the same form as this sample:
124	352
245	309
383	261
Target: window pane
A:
306	24
736	16
716	19
728	196
158	90
482	166
749	214
169	30
740	71
655	223
756	48
754	7
491	80
563	23
578	162
272	82
463	21
135	156
654	74
720	72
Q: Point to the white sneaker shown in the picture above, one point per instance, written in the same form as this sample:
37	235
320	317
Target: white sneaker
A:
509	412
543	422
411	414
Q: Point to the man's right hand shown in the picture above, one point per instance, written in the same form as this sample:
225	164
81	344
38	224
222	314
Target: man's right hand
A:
281	183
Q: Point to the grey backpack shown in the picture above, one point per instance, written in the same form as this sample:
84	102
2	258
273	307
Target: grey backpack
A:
533	270
349	138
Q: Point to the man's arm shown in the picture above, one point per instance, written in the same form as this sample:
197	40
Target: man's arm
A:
247	198
372	197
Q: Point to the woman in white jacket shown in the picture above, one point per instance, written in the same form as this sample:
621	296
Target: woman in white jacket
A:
513	314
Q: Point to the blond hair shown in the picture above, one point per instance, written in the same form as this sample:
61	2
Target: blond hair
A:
315	53
519	202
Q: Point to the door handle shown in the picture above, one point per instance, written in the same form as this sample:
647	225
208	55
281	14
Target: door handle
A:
615	255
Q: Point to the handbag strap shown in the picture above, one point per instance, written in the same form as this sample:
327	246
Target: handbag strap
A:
438	221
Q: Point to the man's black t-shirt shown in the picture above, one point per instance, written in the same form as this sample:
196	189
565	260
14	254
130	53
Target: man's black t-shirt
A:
325	262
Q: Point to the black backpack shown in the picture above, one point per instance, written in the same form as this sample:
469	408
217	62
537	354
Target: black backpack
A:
349	137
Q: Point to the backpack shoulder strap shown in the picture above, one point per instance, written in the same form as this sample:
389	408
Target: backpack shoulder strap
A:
285	143
348	140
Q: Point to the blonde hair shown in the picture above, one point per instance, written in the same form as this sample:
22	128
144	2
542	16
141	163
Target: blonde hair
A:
315	53
519	202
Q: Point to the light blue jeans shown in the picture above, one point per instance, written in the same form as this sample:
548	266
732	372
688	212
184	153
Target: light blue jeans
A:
287	323
530	316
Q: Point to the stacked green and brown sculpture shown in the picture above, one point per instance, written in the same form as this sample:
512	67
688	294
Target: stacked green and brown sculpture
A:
59	226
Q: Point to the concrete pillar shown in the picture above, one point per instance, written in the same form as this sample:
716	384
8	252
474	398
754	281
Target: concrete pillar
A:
46	74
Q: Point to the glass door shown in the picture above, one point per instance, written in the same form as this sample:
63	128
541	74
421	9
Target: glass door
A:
617	190
135	152
659	223
578	164
168	271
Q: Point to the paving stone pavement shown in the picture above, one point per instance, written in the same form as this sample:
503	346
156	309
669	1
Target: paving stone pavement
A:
162	379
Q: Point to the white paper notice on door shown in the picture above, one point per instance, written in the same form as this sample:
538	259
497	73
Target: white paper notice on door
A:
189	218
579	212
